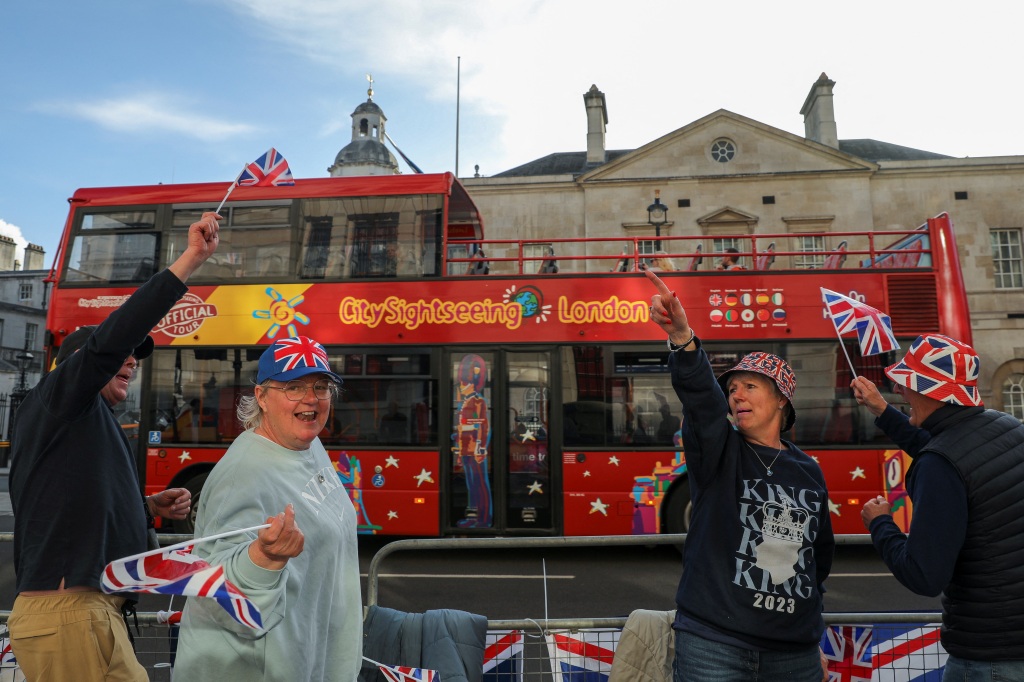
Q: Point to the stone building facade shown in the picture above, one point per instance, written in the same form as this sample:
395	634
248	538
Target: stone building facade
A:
727	173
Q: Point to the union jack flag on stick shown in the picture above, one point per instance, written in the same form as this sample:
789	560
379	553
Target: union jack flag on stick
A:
873	327
271	169
175	570
401	673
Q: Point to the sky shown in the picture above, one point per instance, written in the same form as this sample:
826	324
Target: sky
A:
136	92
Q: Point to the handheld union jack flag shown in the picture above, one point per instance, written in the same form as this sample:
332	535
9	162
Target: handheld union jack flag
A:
873	327
401	673
176	570
269	169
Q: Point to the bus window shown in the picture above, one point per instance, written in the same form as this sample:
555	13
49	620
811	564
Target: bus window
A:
253	242
393	236
627	399
195	391
387	399
118	246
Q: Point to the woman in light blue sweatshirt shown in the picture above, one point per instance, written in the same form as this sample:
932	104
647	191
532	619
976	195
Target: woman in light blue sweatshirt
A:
303	571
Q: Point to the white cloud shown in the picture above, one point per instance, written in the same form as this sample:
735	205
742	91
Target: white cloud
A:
662	64
150	113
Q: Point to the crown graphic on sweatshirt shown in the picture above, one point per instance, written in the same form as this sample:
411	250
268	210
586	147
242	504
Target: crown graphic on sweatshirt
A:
784	522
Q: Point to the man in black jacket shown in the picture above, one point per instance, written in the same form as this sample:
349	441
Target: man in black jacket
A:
75	488
966	537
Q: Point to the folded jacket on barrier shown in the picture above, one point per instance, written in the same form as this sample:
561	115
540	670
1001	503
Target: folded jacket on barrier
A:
448	641
646	648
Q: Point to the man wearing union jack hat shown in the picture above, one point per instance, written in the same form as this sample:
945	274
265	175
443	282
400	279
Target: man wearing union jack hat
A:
966	537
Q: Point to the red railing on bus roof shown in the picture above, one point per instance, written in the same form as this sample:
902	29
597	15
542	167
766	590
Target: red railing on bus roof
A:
763	252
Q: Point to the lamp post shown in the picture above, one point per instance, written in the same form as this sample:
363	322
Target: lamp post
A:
24	362
18	394
657	215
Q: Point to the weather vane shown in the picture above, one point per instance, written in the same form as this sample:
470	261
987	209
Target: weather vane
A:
369	90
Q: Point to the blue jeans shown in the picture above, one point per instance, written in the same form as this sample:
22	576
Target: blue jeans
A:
701	660
962	670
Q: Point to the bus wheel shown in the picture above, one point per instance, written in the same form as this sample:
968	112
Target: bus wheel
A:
678	510
187	525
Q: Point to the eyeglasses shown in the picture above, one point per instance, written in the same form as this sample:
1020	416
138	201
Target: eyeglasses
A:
296	390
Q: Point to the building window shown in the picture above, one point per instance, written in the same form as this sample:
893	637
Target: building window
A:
811	250
25	291
1006	259
31	331
1013	395
723	150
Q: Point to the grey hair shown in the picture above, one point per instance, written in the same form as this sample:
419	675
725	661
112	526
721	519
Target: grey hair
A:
250	413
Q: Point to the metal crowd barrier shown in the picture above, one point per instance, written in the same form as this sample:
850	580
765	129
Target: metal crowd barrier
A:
567	649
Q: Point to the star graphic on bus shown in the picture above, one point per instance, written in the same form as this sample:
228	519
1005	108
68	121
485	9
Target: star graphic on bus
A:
423	477
834	508
183	456
613	460
392	515
599	506
391	461
282	312
531	300
857	473
535	488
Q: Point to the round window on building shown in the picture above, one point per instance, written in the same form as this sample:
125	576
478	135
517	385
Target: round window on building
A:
723	150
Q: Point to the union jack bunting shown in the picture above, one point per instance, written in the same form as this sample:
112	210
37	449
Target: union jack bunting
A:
848	652
941	368
7	660
582	656
178	571
907	653
503	656
269	169
873	327
401	673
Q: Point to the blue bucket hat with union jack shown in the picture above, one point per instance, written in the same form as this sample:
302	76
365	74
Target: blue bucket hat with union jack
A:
773	367
941	368
289	359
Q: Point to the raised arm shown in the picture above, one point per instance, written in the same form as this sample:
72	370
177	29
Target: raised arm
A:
203	239
668	313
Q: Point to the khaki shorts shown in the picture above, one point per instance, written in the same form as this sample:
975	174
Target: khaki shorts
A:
74	636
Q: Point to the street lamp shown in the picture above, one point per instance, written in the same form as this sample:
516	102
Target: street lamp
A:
24	362
657	214
18	394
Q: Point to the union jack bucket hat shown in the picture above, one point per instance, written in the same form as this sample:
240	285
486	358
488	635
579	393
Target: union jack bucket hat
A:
773	367
941	368
289	359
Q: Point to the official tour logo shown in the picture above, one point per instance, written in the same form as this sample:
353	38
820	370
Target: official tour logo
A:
186	316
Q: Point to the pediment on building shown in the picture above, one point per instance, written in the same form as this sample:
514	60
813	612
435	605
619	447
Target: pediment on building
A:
724	144
728	214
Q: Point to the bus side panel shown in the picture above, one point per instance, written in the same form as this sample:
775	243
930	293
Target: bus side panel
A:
853	477
394	492
165	464
616	492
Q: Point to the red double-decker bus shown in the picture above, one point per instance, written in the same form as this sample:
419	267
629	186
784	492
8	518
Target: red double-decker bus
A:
511	386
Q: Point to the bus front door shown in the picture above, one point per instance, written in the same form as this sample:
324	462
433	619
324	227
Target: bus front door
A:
499	478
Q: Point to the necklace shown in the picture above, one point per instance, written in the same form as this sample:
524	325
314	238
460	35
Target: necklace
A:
768	467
